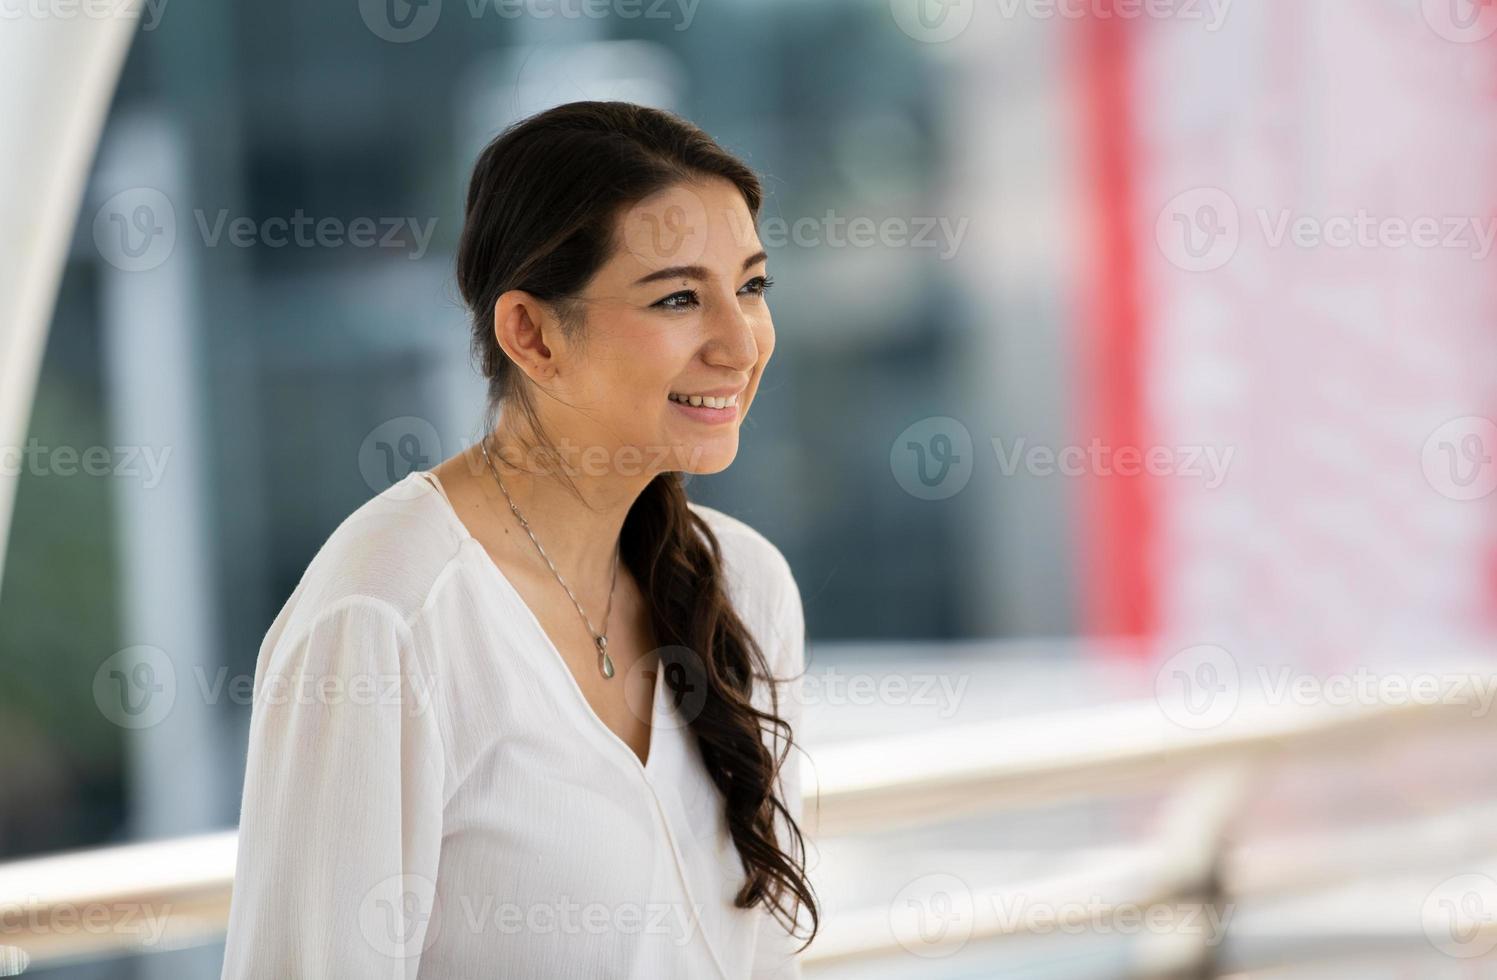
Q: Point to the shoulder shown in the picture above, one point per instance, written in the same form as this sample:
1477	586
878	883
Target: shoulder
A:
749	550
755	566
390	551
764	592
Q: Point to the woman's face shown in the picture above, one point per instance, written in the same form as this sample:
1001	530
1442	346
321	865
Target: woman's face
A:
678	310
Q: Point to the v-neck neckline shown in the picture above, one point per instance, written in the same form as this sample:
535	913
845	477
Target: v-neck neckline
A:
651	763
434	483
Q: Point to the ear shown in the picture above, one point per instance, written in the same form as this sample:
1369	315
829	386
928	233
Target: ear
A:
526	328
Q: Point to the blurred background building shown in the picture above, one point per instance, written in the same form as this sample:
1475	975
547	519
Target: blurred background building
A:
1130	355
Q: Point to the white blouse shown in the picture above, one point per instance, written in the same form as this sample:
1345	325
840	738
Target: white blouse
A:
428	794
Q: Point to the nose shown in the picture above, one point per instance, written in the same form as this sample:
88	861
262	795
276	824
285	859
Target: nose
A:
732	342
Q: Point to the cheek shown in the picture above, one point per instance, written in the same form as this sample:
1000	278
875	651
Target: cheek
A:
645	365
764	336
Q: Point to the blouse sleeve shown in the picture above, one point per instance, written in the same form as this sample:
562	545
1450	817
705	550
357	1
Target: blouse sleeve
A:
775	950
341	822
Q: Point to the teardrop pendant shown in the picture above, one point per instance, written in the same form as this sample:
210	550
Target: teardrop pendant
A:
605	662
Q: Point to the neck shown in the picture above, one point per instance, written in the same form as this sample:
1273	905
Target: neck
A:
575	507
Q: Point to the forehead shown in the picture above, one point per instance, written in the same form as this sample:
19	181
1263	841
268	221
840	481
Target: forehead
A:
704	223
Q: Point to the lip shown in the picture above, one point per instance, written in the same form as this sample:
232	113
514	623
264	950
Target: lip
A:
701	413
716	392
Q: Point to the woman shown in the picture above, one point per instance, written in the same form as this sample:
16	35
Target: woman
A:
551	720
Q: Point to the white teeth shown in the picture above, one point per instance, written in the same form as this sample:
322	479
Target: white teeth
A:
708	401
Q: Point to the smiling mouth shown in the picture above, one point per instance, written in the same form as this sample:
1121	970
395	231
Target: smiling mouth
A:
707	409
705	401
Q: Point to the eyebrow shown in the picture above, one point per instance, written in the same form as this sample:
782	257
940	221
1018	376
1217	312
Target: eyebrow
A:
696	271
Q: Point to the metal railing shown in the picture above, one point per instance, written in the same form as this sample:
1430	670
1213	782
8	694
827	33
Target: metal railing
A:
86	904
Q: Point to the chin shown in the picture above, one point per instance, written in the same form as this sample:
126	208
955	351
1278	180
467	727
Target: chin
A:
704	460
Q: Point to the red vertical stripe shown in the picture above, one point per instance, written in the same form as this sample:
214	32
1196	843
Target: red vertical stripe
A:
1117	589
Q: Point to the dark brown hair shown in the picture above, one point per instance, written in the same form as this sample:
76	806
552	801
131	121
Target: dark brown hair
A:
542	213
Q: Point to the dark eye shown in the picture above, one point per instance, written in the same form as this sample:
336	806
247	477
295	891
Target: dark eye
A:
757	286
684	300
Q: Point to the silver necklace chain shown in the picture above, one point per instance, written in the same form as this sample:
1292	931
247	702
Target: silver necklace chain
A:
600	640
